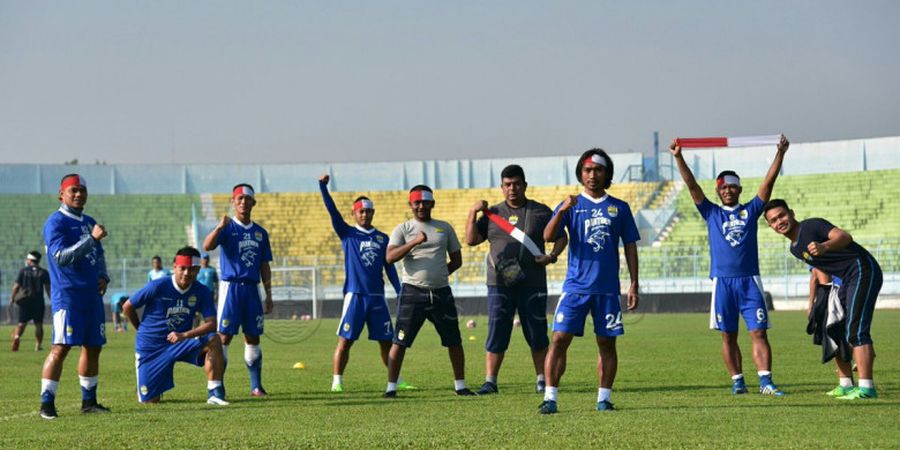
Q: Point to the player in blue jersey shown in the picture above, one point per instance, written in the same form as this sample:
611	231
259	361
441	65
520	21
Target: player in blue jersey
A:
79	279
734	267
364	261
832	250
596	222
165	334
243	262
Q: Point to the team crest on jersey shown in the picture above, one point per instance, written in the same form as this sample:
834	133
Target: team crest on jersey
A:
225	322
258	235
346	326
806	256
379	238
400	335
513	219
192	300
612	211
718	317
743	214
144	389
69	330
560	317
438	230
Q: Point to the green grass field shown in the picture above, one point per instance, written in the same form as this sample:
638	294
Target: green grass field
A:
672	391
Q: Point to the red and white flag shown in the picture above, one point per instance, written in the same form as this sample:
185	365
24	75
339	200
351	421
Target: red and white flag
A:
516	233
712	142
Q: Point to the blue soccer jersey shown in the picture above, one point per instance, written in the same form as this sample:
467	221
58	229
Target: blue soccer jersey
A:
167	308
364	254
76	260
595	227
732	237
244	248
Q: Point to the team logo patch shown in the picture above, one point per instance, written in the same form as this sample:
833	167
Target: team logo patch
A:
718	317
560	317
438	230
69	330
225	322
806	256
400	335
612	211
144	390
743	214
346	326
192	300
258	235
379	238
513	219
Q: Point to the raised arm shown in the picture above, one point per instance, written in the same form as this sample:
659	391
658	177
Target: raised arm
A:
397	252
552	228
696	191
65	256
768	184
473	237
337	222
212	239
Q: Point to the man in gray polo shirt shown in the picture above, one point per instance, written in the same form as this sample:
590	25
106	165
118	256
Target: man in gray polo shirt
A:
516	278
424	244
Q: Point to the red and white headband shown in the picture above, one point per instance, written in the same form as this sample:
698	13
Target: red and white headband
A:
421	195
187	261
72	180
595	159
363	203
242	190
728	179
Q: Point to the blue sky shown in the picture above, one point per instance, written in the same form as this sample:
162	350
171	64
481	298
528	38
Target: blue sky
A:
246	82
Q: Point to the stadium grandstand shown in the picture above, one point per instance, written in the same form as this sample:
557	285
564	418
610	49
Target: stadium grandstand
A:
154	209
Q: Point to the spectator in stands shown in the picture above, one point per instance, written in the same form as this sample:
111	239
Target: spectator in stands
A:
516	279
28	294
115	307
734	268
157	271
425	244
832	250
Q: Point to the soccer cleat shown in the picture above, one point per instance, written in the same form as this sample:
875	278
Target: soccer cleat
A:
405	386
488	388
92	407
605	405
540	387
259	393
337	388
839	391
48	411
771	389
860	393
739	387
547	407
464	392
15	344
389	394
216	401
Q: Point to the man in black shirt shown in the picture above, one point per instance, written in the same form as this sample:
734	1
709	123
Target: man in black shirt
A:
831	250
28	293
516	279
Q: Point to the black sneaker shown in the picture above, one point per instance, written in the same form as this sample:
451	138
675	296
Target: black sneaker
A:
48	411
464	392
91	407
389	394
488	388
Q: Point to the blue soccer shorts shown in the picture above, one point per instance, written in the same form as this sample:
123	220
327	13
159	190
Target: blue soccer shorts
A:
155	367
240	307
362	309
572	311
733	297
80	326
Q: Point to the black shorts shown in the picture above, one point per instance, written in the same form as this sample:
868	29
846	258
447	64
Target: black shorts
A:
417	304
503	302
31	311
858	294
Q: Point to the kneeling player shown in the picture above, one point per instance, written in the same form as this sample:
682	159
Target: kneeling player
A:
165	336
831	250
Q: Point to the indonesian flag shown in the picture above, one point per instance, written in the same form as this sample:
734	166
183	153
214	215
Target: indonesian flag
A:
516	233
712	142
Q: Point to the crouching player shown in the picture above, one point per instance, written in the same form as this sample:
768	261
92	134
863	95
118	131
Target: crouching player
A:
165	336
831	250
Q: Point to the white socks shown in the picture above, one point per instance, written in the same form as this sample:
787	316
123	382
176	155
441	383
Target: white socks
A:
48	385
540	377
550	393
739	376
87	382
459	384
490	379
603	395
212	384
251	354
337	380
392	387
846	382
868	384
764	373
